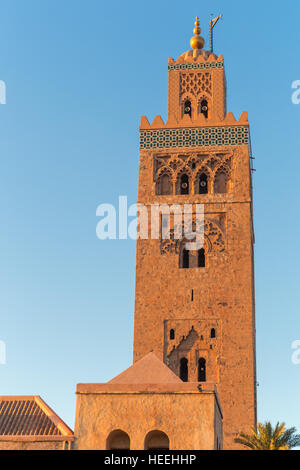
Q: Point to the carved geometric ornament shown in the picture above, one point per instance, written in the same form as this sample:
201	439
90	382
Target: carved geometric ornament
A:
214	238
195	83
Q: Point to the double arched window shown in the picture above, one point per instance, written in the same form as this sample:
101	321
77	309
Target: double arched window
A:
154	440
202	107
184	369
192	259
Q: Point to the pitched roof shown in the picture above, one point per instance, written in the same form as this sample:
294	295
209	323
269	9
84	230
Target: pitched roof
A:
148	370
29	416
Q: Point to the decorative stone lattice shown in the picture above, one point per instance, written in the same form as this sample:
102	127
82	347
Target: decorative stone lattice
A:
196	83
214	238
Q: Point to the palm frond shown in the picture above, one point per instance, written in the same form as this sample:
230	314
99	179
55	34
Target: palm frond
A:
265	437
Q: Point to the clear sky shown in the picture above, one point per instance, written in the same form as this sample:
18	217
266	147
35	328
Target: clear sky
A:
79	74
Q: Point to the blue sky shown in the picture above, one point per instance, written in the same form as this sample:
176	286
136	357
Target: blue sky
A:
79	75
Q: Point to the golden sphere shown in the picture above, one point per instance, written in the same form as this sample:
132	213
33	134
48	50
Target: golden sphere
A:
197	42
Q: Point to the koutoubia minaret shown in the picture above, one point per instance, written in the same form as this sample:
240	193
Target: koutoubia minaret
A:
196	309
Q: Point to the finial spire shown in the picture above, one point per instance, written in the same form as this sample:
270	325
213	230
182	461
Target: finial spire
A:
197	42
212	25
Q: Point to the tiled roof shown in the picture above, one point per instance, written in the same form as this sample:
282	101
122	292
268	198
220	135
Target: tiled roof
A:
29	416
148	370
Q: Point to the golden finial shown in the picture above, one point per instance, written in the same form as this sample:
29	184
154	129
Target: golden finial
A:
197	42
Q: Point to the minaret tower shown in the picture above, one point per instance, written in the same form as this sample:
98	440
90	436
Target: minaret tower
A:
195	309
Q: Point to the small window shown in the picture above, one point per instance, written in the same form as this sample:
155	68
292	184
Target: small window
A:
204	108
203	184
172	334
201	258
187	109
212	333
184	184
202	370
185	259
184	370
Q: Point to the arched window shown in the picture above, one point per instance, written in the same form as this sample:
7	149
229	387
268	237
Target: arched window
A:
118	440
220	184
164	185
203	184
184	184
184	370
172	334
187	108
201	258
156	440
202	370
204	108
212	333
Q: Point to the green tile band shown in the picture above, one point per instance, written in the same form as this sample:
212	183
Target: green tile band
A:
194	137
197	65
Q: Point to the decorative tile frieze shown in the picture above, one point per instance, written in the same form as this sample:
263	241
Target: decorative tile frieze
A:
194	137
196	65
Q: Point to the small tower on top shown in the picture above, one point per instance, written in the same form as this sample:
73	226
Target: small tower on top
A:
197	84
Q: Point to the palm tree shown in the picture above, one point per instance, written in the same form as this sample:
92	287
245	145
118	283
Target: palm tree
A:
265	437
